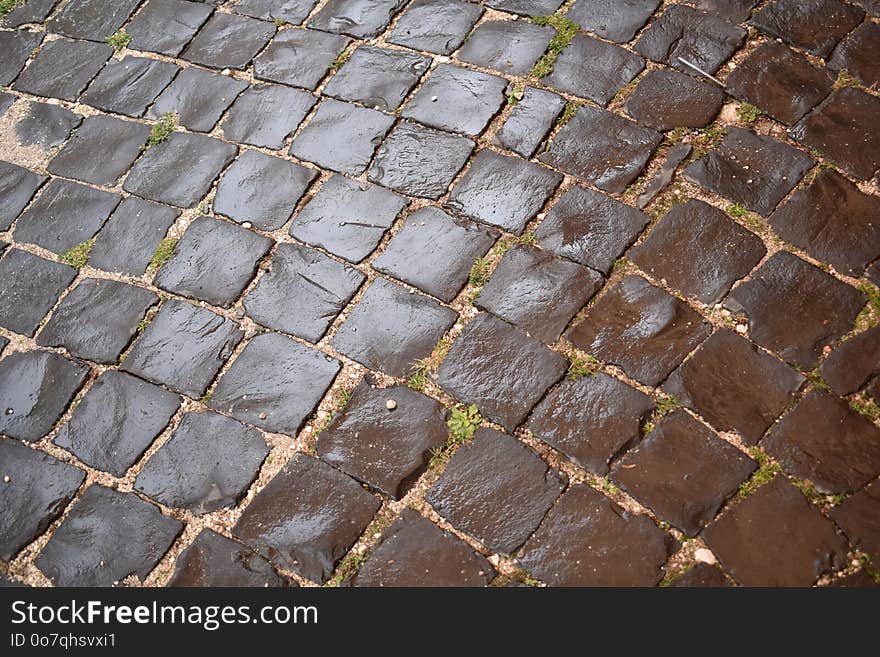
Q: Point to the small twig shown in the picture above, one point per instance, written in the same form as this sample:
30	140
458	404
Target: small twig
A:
701	71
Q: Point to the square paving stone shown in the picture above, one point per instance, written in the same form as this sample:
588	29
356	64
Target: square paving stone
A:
183	347
735	11
438	26
307	517
213	560
704	576
590	228
262	190
64	215
612	19
496	489
92	19
833	221
776	537
503	191
17	188
812	25
845	130
435	252
500	369
214	261
35	389
591	420
457	99
180	170
853	363
102	149
198	97
128	241
341	136
419	161
16	47
587	540
116	421
106	537
795	308
529	121
859	518
299	57
347	218
31	286
665	99
36	489
602	148
228	41
750	169
700	251
683	472
208	464
377	77
80	61
289	11
32	11
640	328
306	279
682	32
512	47
413	551
827	443
129	86
390	328
275	384
46	125
166	26
362	19
98	319
781	82
856	54
734	385
385	449
266	114
525	7
538	291
594	69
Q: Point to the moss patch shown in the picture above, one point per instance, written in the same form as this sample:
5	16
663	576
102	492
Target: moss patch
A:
78	256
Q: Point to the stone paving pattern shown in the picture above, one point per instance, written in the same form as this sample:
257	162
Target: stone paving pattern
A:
439	292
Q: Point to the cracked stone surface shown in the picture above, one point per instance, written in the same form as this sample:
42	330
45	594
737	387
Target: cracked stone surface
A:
683	471
587	540
277	397
500	369
497	490
415	552
752	537
366	246
307	517
207	464
641	328
734	385
384	448
795	308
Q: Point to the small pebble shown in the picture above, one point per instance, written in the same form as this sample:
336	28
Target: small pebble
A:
741	329
7	479
705	556
263	416
391	404
247	224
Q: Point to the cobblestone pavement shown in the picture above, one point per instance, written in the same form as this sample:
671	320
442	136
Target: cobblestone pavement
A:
379	292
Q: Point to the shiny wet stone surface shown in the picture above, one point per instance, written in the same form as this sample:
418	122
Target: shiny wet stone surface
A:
207	464
277	397
775	537
214	560
278	275
795	309
497	490
641	328
384	448
500	369
415	552
390	328
307	517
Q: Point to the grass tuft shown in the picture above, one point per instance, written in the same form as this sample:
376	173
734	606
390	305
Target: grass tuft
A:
763	475
164	251
78	256
579	367
118	40
748	113
163	129
463	422
7	6
566	29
